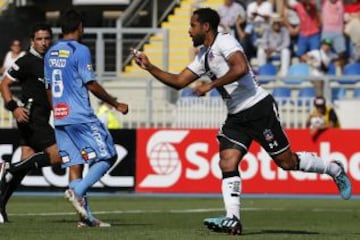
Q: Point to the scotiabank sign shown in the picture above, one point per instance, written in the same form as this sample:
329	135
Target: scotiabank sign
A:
121	176
186	161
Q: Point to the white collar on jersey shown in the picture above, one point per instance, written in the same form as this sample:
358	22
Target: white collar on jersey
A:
35	53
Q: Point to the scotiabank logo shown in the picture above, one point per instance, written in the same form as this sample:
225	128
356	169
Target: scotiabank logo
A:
186	161
163	158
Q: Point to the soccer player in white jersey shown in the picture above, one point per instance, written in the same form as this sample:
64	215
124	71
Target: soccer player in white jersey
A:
252	114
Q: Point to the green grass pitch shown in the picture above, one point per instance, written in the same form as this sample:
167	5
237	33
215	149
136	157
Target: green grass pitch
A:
168	218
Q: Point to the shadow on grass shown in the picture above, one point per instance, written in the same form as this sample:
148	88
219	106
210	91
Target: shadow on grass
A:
113	224
282	231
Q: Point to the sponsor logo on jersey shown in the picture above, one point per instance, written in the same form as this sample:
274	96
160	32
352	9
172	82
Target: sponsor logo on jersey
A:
54	53
57	62
61	111
64	53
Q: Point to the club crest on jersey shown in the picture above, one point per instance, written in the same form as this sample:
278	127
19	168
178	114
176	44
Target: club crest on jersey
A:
64	156
211	56
88	153
269	136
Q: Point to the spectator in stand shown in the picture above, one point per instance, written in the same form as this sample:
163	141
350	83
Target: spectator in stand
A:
352	31
229	12
323	117
12	55
292	23
351	10
275	42
309	32
245	38
352	23
319	61
332	15
258	18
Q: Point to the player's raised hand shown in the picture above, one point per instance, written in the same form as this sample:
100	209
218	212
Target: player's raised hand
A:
141	59
123	108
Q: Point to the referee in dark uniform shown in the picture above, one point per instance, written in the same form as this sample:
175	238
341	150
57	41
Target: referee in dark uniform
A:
37	139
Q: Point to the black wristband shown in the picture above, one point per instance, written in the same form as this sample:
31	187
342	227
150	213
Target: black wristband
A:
12	105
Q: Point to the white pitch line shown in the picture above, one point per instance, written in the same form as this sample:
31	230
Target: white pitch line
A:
176	211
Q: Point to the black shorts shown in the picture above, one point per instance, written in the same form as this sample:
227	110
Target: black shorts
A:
37	134
260	123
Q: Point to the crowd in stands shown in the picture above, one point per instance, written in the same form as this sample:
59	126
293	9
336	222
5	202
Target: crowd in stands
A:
299	29
323	34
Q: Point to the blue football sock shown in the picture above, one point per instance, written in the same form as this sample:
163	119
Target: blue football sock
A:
72	185
87	207
96	171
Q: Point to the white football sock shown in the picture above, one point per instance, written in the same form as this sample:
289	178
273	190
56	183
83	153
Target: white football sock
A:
309	162
231	190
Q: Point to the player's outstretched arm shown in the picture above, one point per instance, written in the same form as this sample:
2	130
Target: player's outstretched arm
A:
176	81
103	95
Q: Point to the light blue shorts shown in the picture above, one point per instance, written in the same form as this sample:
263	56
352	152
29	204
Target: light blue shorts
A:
339	44
84	143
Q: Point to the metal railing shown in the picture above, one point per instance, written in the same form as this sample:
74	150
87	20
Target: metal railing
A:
120	38
149	107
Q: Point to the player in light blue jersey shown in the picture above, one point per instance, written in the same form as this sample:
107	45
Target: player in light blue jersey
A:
81	137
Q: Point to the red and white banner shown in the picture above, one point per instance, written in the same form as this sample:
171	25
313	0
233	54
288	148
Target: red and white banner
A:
186	161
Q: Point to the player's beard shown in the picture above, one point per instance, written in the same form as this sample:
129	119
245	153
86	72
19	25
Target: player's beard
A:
198	40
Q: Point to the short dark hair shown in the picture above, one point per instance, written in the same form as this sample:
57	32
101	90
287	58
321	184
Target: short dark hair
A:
208	15
70	21
40	26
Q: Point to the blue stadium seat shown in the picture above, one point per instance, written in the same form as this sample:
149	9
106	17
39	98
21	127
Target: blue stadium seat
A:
331	69
187	92
350	69
282	94
337	94
297	69
267	69
357	93
214	93
308	93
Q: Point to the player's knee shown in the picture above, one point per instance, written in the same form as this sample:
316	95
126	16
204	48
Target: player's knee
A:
229	164
287	162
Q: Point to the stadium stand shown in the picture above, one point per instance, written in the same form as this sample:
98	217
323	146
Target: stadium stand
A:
357	93
350	69
337	93
267	69
297	70
179	40
282	94
306	95
187	92
214	93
